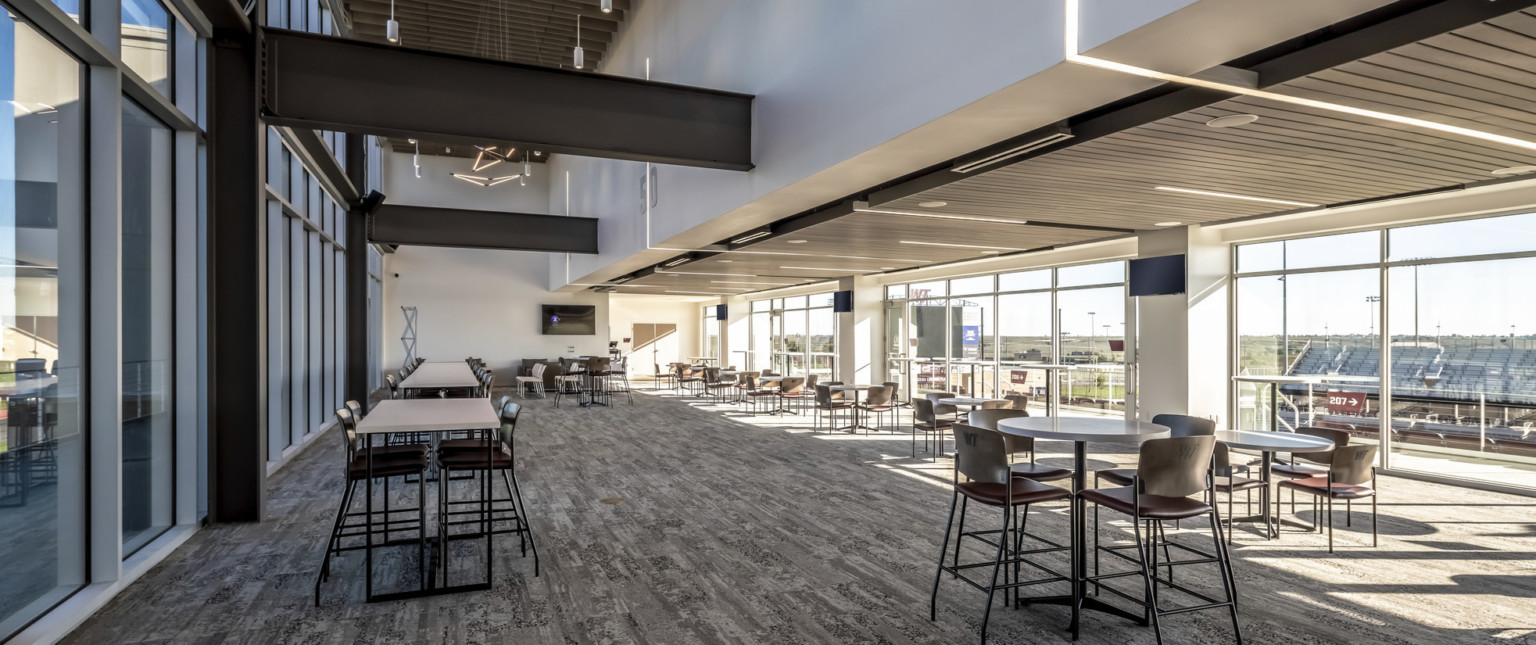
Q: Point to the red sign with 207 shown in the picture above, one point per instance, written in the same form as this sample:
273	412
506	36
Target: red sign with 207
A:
1350	402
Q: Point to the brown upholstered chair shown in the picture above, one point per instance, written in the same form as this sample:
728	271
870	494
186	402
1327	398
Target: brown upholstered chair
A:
1351	475
830	402
877	401
475	455
792	394
988	418
1179	425
928	423
1169	473
1303	465
981	455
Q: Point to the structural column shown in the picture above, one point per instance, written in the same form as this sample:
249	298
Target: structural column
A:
237	354
356	370
1182	358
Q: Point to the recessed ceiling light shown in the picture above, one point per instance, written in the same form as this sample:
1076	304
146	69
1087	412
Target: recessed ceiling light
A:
962	246
1207	193
1514	170
796	241
1168	224
933	204
1232	120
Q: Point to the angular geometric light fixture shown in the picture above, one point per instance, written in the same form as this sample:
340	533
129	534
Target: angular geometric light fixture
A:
485	182
495	157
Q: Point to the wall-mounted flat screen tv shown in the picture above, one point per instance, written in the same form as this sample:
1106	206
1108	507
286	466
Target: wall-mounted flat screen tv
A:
1157	276
570	320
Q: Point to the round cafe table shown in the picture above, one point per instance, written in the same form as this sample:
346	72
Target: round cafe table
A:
969	401
855	389
1269	443
1081	431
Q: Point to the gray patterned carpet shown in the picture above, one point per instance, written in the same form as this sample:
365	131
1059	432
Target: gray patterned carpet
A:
678	522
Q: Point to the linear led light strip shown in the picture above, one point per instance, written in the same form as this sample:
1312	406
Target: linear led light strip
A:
969	218
819	255
1208	193
1071	38
962	246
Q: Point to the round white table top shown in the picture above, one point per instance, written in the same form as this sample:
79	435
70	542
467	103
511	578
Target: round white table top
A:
969	400
1097	429
848	388
1273	441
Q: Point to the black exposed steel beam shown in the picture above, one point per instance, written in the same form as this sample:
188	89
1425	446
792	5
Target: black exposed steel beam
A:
1388	28
237	286
425	226
326	83
324	162
356	280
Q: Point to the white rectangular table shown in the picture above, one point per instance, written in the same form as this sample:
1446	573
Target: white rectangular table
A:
437	376
428	415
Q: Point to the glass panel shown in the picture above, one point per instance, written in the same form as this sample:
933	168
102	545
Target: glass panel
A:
762	351
711	333
971	349
797	302
895	344
1024	336
1092	335
1085	274
1024	280
895	291
820	300
146	340
1312	252
927	332
146	42
760	305
1314	324
72	8
977	284
1512	234
822	341
1464	370
42	280
794	337
923	290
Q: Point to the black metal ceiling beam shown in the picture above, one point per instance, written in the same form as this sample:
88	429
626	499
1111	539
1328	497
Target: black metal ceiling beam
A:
324	161
425	226
327	83
1388	28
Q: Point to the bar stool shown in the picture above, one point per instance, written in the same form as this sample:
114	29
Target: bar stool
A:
388	461
1168	472
569	382
982	456
474	455
618	379
988	418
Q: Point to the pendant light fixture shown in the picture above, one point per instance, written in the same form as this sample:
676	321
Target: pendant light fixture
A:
392	28
416	158
527	166
576	55
607	6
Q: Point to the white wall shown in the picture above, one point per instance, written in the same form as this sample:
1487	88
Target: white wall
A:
624	311
477	302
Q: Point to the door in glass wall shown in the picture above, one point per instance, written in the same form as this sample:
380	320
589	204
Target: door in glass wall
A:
1024	338
1092	338
822	342
971	346
1321	325
42	322
1463	359
896	363
928	344
146	341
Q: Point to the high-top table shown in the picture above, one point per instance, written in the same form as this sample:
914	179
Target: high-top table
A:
434	416
855	389
1052	383
441	376
1081	431
1269	443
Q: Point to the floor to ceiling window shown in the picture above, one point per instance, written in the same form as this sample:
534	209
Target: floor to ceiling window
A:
1450	342
793	336
42	276
148	423
991	335
710	339
146	43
